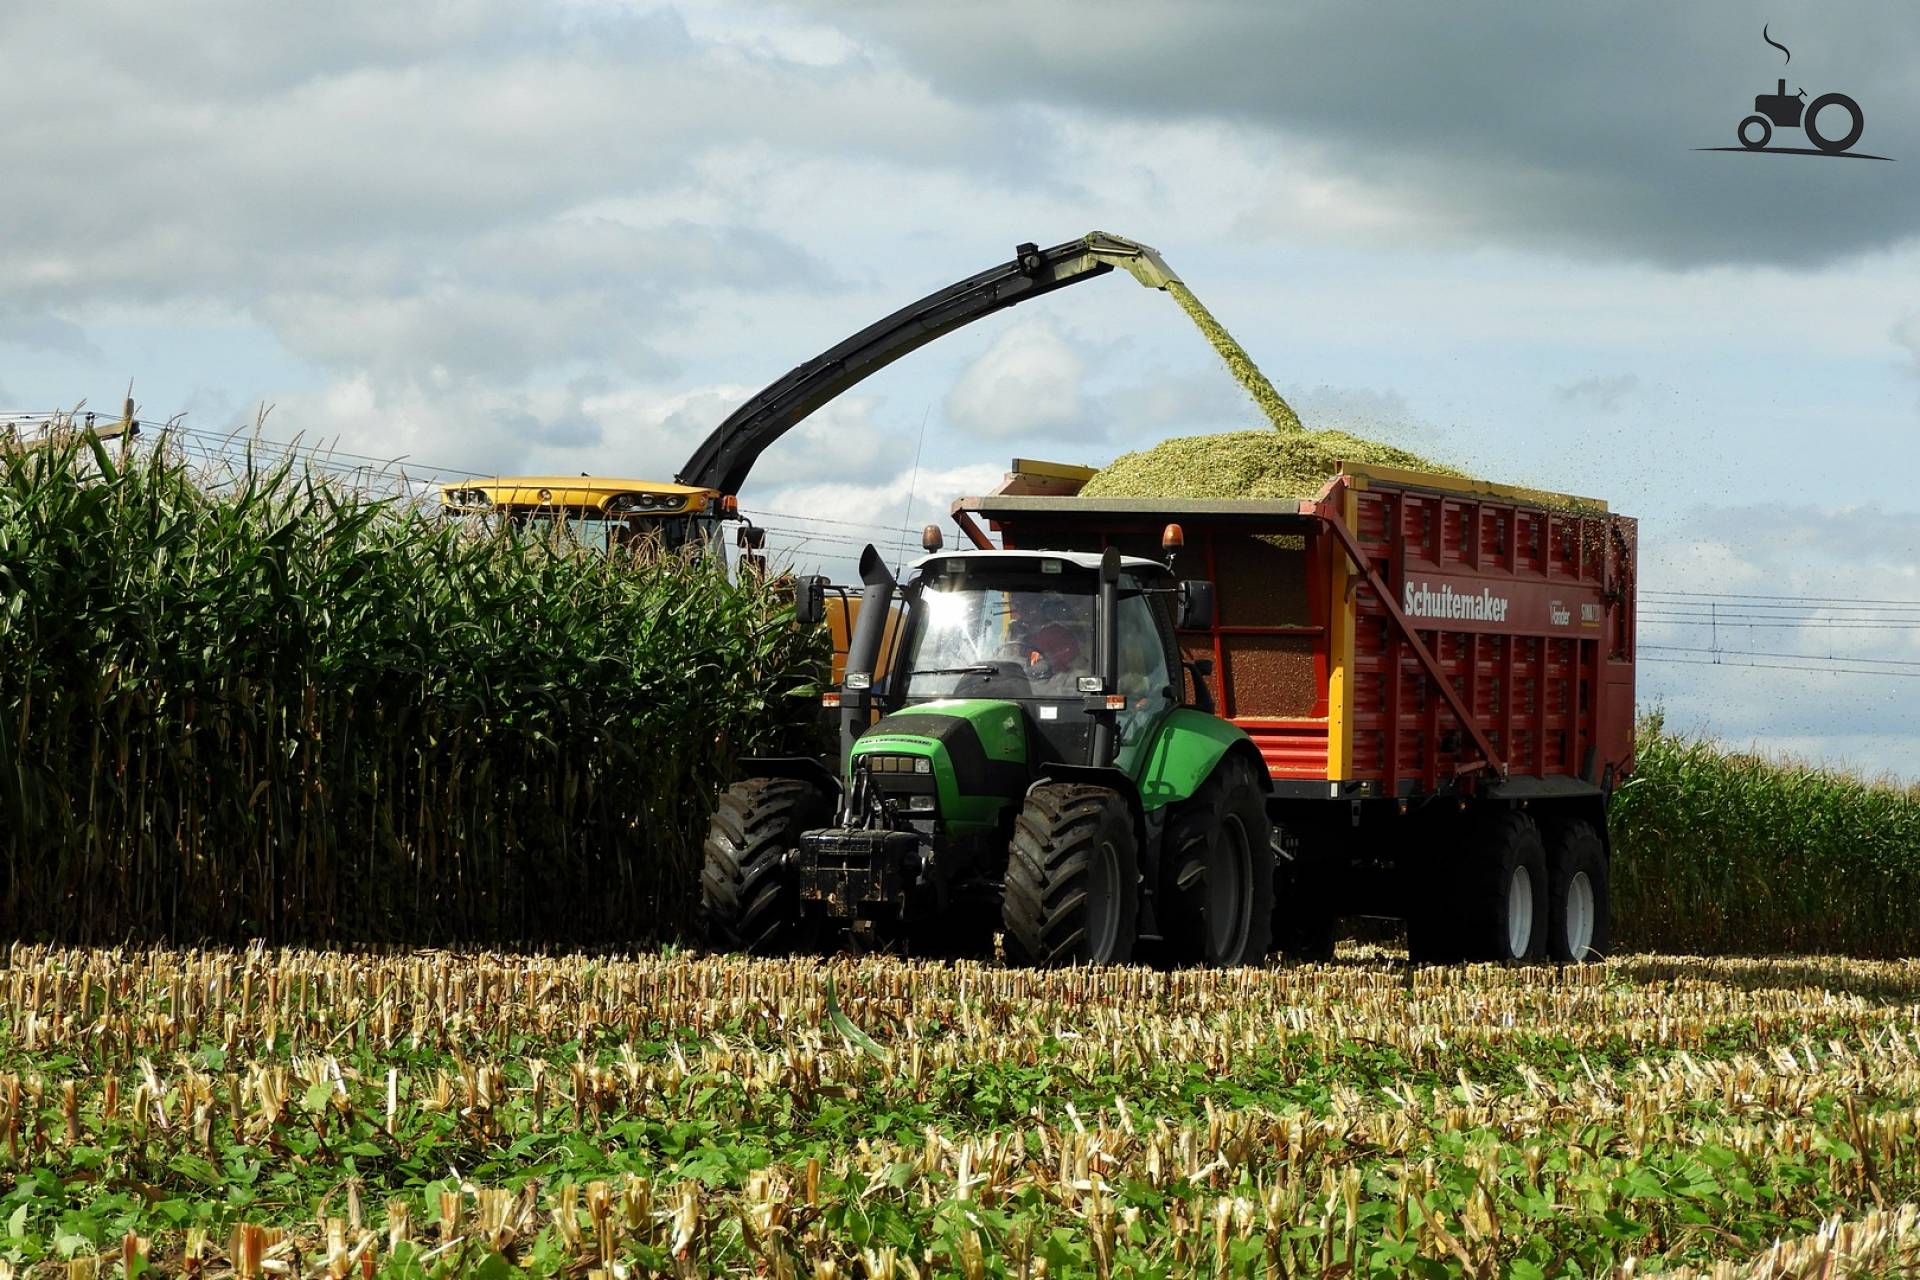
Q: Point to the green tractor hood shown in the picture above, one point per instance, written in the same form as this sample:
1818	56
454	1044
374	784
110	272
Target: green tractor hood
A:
977	747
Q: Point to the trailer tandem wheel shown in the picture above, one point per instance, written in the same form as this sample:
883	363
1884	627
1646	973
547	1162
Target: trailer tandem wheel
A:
1579	905
1489	900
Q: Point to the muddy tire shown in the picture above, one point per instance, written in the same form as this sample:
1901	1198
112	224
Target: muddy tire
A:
1579	910
1219	872
1073	882
749	891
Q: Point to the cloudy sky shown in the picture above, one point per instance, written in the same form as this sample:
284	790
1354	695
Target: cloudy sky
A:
501	236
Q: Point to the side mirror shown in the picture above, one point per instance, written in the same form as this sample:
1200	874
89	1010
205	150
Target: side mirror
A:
810	601
1196	604
751	537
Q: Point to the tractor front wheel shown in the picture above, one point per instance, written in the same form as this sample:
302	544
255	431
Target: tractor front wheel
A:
1073	882
1220	871
749	890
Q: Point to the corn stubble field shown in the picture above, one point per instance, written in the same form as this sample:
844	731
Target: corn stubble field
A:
255	705
320	1113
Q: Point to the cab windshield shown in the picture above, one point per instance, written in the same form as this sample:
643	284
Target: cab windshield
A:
1000	635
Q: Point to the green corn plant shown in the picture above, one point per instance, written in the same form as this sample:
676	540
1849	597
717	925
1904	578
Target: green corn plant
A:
1722	851
271	707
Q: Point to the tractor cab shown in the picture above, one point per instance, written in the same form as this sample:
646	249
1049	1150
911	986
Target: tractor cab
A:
1026	630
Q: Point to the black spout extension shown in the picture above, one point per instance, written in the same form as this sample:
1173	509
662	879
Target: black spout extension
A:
1107	661
864	647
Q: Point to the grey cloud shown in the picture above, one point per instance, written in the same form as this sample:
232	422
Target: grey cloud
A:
1804	539
1146	411
170	178
499	335
1355	409
416	197
1605	392
1569	127
1907	334
39	328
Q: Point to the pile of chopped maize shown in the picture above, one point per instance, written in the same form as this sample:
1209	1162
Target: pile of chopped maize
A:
1244	464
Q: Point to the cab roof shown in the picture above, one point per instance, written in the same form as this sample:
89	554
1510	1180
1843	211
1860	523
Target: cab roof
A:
1087	560
576	484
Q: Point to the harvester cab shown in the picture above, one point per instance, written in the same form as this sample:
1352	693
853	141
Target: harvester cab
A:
1023	760
603	510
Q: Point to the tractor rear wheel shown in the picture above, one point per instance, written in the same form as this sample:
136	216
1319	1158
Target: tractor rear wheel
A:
1073	882
1219	868
749	890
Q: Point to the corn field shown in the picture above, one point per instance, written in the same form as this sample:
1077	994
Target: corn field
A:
1720	851
274	708
295	1113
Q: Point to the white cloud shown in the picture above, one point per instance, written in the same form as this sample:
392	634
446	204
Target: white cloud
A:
1027	383
1907	335
822	526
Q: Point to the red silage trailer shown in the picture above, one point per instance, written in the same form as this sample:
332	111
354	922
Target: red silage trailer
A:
1438	674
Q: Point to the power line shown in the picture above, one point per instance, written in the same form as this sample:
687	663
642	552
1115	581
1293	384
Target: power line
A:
293	448
1738	595
327	456
1767	653
1744	620
846	524
1698	609
1774	666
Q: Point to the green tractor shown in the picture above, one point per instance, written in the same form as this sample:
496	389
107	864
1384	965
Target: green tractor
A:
1026	762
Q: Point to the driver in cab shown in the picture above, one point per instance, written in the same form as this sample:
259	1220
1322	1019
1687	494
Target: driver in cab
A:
1053	639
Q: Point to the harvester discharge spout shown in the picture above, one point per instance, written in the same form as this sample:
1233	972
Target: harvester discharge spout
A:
727	455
